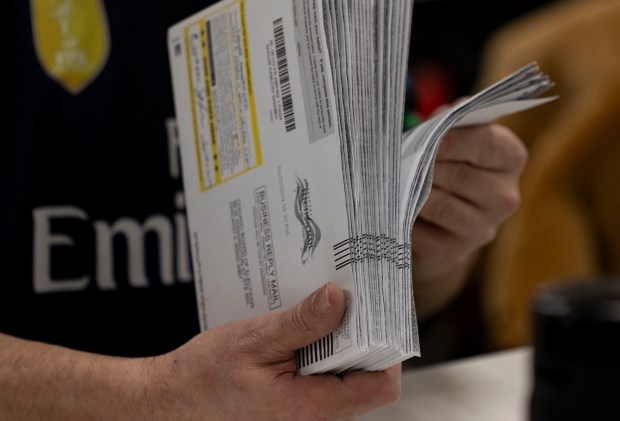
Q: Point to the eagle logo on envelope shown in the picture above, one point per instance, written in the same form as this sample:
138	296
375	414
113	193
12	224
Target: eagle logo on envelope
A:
72	40
311	233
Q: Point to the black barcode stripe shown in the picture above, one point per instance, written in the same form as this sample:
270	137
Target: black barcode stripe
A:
342	250
210	54
342	244
316	351
285	82
343	264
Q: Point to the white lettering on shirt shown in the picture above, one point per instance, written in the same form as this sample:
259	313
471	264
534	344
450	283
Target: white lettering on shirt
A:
171	239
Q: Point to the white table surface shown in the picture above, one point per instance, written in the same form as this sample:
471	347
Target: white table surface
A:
489	387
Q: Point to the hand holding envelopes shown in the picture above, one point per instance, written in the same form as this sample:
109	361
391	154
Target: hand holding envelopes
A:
296	170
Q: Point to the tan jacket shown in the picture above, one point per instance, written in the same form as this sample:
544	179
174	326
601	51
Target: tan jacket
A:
569	220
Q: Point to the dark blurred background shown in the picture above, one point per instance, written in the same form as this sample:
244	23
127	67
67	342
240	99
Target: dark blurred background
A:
446	41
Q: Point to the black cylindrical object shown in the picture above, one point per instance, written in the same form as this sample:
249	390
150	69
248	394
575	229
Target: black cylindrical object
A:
577	351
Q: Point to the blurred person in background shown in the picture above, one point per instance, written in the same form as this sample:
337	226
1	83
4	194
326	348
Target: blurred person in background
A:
567	226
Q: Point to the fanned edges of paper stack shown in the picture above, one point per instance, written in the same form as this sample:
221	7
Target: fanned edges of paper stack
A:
514	93
368	44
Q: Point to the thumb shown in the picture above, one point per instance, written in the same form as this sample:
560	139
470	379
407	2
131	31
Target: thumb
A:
316	316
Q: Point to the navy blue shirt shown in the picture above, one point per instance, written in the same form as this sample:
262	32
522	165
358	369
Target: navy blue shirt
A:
93	243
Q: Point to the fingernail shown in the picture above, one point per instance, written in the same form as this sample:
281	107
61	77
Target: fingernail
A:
320	301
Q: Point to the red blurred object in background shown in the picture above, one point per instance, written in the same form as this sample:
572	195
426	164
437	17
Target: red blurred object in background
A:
433	84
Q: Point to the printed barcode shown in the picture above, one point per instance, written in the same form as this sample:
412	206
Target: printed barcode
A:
371	247
285	82
342	254
316	351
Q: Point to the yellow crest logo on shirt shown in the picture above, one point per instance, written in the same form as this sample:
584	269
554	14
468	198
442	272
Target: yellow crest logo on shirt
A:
72	40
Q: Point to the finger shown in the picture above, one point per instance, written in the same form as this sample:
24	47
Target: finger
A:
493	147
487	190
435	246
380	389
458	216
353	394
316	316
